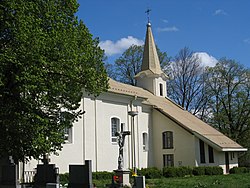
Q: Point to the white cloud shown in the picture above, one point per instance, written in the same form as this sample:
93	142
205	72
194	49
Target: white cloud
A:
206	59
167	29
247	40
112	48
219	12
165	21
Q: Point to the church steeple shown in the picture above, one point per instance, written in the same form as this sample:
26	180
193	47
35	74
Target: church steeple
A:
150	57
151	76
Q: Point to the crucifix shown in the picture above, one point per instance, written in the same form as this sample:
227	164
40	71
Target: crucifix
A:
147	12
120	140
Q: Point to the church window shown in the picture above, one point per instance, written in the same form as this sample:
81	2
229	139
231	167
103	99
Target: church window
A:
64	119
210	154
68	135
161	90
202	152
167	140
168	160
115	127
145	141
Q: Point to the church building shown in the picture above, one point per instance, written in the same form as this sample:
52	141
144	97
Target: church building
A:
162	133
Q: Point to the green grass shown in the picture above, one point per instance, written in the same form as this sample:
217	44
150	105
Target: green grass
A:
233	180
219	181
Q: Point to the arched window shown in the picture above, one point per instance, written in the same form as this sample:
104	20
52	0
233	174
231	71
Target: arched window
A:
115	127
167	140
145	141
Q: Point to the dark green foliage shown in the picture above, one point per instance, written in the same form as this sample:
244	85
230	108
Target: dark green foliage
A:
64	178
177	171
184	171
187	171
239	170
150	173
169	172
229	93
199	171
47	58
213	170
104	175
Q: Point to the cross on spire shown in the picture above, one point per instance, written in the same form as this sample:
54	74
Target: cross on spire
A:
147	12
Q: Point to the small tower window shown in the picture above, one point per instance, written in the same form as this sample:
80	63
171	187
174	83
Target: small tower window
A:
161	90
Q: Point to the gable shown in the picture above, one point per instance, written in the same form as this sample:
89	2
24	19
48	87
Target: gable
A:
183	118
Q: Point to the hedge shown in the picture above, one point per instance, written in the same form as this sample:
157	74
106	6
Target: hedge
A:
177	171
104	175
213	170
154	173
199	171
239	170
150	173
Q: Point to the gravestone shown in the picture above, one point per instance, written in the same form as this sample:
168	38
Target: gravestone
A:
139	182
80	176
46	174
8	174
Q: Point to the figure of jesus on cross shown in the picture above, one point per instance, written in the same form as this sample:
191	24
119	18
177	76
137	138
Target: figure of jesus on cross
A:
120	140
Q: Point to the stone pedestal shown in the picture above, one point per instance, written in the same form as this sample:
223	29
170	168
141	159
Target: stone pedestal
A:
123	176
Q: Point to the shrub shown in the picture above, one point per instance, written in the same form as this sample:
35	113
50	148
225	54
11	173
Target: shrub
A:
199	171
102	175
213	170
176	171
150	173
183	171
169	172
238	170
64	178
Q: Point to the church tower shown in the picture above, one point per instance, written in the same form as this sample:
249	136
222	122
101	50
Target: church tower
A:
151	77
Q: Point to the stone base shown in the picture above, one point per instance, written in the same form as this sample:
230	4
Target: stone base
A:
125	176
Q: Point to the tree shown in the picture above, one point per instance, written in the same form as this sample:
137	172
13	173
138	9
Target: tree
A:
229	89
186	85
47	58
129	64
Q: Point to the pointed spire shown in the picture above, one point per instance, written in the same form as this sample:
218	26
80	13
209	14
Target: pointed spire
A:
150	57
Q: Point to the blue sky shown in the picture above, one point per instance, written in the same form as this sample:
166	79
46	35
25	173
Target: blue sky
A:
220	28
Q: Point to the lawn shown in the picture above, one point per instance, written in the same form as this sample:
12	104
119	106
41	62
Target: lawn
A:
219	181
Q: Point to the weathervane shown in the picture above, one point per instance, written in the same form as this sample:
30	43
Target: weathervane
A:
147	12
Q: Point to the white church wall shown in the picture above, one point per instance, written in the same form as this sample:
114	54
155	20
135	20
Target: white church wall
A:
97	120
147	83
99	146
183	142
71	153
143	126
219	157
